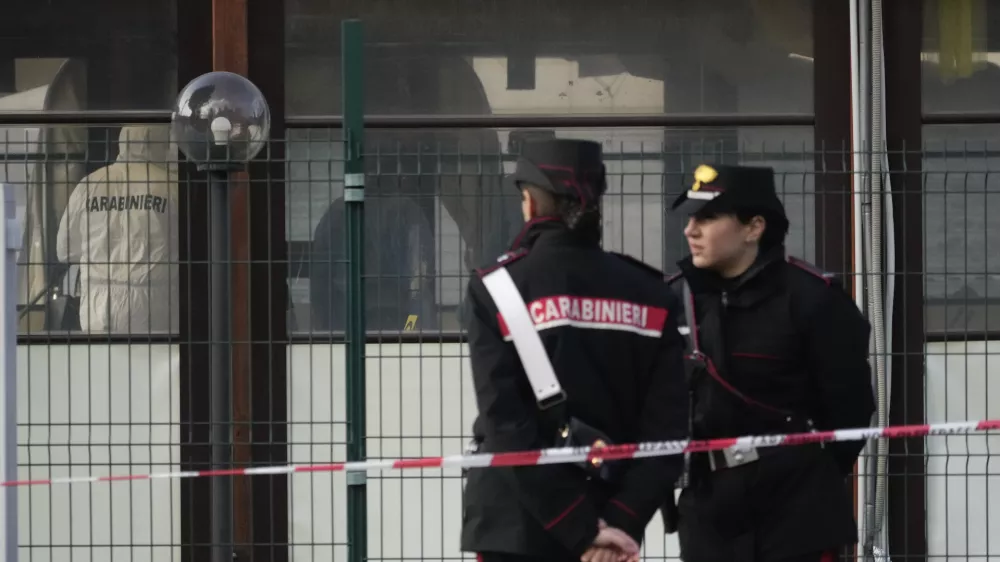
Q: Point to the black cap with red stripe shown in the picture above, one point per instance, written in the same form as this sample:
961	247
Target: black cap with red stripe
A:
721	189
563	167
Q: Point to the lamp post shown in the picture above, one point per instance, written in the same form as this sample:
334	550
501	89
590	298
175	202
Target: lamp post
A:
220	122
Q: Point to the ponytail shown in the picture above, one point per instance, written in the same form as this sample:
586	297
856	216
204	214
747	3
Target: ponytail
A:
583	220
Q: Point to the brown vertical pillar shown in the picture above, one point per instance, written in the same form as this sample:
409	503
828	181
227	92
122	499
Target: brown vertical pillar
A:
194	58
260	290
229	53
832	106
832	138
229	36
902	37
269	286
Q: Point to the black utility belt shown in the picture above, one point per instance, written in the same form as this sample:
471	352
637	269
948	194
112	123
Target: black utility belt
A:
740	456
577	434
733	457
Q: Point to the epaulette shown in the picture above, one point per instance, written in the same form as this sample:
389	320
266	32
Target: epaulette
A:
811	269
641	264
504	260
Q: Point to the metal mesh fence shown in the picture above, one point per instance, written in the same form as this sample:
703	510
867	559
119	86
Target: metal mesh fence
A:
436	206
100	209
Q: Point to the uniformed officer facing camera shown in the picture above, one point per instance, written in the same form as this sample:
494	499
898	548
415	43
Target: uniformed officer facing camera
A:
570	346
775	346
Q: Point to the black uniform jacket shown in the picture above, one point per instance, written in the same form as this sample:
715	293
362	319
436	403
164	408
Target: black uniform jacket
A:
788	345
610	329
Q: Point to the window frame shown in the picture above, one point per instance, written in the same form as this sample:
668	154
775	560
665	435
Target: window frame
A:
666	121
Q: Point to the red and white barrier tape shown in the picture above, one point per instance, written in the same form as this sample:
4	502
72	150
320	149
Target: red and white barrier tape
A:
558	455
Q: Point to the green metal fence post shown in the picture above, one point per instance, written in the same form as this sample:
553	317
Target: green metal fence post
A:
354	205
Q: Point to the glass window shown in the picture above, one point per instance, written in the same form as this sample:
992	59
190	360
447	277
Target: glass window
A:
961	224
106	55
564	57
437	208
561	57
100	249
434	209
79	187
960	56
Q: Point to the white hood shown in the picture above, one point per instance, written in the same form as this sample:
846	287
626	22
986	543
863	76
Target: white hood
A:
147	144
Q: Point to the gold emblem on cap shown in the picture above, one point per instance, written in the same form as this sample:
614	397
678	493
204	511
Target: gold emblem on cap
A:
703	174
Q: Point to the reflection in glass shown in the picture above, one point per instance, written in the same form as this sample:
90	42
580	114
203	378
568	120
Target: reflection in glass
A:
100	249
127	50
398	255
70	59
960	57
445	184
962	228
44	164
451	182
570	58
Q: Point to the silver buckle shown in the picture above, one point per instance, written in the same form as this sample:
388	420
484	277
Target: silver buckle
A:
734	457
553	400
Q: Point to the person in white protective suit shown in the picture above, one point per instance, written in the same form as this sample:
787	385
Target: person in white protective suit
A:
120	226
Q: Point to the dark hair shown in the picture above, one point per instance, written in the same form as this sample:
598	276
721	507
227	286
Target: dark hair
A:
775	231
582	219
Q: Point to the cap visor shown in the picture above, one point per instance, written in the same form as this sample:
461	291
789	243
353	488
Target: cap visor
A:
686	206
528	173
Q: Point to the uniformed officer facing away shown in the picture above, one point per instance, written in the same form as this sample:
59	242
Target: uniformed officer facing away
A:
570	346
776	346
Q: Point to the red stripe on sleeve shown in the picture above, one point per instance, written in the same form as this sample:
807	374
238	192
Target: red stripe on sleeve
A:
563	515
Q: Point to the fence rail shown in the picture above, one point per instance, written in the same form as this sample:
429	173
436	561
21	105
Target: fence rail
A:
114	117
89	117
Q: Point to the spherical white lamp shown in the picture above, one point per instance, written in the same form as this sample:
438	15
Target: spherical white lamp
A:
220	121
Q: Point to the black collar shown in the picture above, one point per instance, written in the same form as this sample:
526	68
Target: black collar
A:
545	231
704	280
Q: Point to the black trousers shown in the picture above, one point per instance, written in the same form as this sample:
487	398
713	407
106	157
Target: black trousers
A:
502	557
726	554
505	557
789	502
830	556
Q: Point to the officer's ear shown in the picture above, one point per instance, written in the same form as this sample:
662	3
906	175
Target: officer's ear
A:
755	227
526	204
535	202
